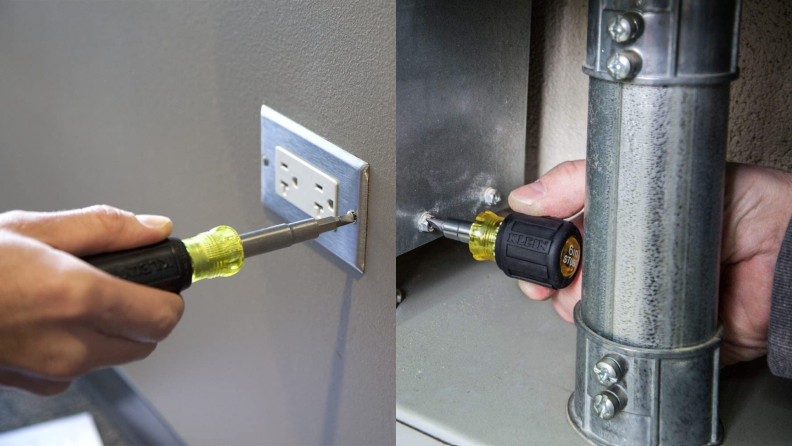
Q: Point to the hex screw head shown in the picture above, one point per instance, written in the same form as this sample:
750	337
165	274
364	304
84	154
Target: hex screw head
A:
623	65
607	371
606	405
423	222
625	27
492	196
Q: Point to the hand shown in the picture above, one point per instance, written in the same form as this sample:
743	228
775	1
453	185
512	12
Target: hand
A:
757	210
59	316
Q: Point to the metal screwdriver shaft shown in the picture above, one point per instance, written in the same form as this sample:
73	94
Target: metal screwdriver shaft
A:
284	235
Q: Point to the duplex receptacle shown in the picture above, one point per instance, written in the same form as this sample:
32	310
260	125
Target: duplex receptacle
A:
305	186
303	175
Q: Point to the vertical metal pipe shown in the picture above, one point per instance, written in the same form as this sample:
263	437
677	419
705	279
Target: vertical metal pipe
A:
658	114
656	157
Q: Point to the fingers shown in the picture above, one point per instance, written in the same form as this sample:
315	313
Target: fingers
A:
536	292
564	300
132	311
70	352
73	290
90	230
39	386
101	350
560	193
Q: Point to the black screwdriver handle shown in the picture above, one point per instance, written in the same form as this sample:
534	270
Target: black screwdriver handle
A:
542	250
165	265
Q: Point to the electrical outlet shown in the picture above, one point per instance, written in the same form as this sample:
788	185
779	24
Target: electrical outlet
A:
303	175
305	186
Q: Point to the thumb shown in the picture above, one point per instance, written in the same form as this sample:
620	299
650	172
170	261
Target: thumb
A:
560	193
90	230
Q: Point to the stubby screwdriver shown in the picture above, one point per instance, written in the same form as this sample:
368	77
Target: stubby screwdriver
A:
174	264
542	250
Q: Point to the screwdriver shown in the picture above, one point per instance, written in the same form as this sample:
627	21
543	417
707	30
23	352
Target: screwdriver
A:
174	264
541	250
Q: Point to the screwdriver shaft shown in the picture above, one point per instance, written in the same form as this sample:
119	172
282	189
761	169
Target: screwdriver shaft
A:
453	228
284	235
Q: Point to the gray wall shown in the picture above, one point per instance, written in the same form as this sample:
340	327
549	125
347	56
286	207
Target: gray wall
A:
761	99
154	107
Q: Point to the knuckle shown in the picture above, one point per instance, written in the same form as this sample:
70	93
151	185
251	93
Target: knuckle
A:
65	364
570	169
54	292
70	295
13	220
111	218
164	323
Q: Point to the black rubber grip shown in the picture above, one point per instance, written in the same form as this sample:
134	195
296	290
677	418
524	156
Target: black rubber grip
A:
165	265
535	249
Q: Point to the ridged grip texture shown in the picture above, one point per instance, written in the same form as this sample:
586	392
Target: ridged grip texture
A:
531	249
217	252
165	265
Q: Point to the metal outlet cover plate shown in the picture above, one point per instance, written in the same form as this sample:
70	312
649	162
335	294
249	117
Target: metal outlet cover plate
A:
348	243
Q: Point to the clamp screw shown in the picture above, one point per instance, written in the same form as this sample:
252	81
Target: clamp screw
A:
625	27
607	371
423	222
492	197
623	65
606	405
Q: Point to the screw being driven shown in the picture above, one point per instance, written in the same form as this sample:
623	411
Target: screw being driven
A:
492	197
423	222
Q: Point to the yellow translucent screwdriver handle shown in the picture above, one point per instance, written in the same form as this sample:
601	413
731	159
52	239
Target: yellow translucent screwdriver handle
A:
215	253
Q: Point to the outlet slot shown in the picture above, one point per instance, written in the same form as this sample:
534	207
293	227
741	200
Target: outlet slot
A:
295	171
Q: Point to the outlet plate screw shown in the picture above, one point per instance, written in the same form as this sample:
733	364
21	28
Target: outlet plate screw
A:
492	196
607	371
623	65
265	161
423	222
625	27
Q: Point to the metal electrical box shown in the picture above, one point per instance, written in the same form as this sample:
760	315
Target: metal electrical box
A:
462	96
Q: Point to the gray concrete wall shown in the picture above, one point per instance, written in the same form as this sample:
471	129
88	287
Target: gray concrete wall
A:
154	107
761	99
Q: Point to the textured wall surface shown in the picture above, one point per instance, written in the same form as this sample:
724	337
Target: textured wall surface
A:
154	107
761	99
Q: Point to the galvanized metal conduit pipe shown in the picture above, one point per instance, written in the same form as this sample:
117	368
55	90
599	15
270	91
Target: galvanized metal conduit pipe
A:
648	333
656	158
